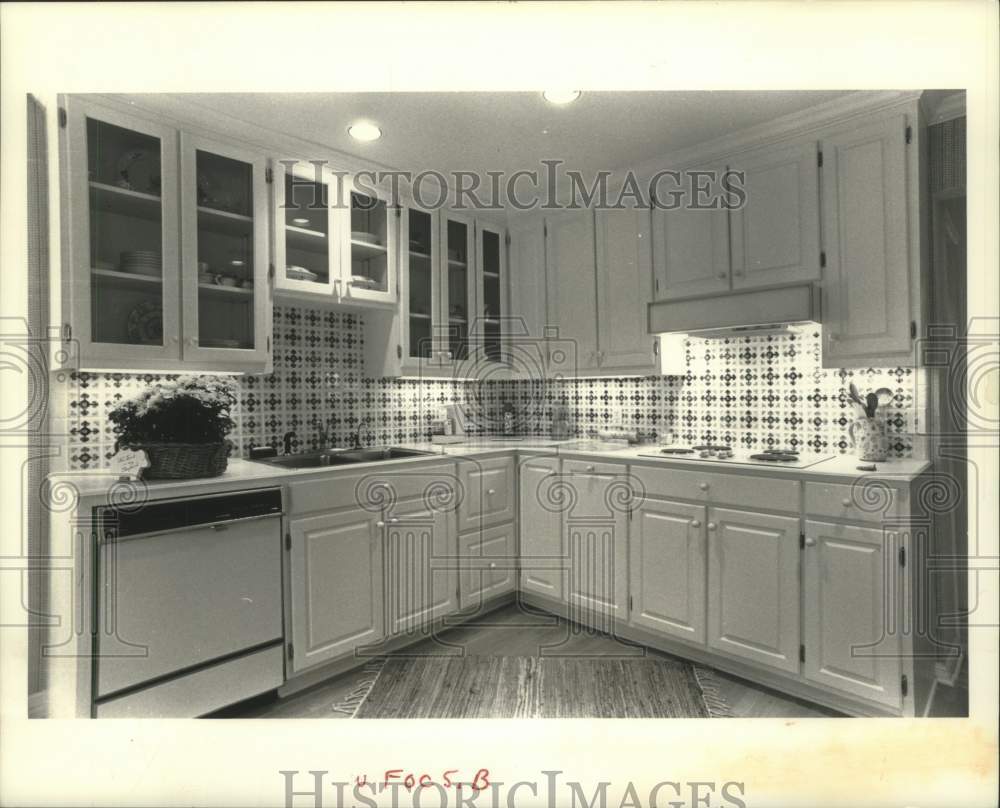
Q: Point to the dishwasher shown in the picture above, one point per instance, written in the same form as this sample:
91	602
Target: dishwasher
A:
188	605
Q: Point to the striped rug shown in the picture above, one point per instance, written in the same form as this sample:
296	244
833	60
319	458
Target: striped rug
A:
535	687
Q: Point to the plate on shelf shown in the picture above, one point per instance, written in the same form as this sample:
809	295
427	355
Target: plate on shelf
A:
140	262
300	274
367	238
363	282
226	343
145	324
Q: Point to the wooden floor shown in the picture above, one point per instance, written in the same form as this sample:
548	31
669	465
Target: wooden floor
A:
514	631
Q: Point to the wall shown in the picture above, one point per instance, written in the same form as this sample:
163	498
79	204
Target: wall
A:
754	393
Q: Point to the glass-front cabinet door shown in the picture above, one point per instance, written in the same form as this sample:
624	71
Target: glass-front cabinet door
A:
304	228
123	307
225	253
491	263
368	243
420	288
458	288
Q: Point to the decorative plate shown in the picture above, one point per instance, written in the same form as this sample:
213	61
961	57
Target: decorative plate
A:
145	324
136	172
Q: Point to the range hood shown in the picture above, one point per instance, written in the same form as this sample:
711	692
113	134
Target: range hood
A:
743	313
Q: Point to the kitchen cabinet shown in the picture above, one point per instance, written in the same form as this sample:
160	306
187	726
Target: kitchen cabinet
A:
528	295
368	252
596	530
624	288
691	244
422	314
870	290
775	234
421	576
543	557
458	290
753	587
571	289
850	618
490	323
167	246
336	585
306	256
668	568
488	493
487	565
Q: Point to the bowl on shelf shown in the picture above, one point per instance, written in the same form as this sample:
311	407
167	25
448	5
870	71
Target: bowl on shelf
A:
363	282
363	236
297	273
227	280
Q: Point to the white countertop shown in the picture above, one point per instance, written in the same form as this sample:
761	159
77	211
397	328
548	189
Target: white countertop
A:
105	486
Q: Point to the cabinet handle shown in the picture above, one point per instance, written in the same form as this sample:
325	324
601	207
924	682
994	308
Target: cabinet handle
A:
695	523
447	355
703	486
552	474
712	525
810	542
846	503
490	492
192	341
590	468
738	273
175	339
393	520
380	524
493	565
722	276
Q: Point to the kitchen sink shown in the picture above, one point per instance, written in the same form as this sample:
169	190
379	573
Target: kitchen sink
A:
341	457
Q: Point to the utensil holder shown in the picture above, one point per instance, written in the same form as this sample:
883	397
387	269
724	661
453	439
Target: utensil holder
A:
869	439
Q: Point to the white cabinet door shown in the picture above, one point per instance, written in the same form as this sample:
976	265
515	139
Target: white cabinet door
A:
543	557
305	253
458	289
336	585
668	569
775	235
691	245
849	578
420	271
224	229
753	587
572	296
121	274
367	229
421	583
527	277
488	493
488	565
490	330
866	290
624	289
596	527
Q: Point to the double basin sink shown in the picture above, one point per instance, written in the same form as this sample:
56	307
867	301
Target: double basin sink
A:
342	457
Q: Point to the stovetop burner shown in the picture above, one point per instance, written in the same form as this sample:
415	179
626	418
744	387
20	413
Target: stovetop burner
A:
677	451
710	448
775	457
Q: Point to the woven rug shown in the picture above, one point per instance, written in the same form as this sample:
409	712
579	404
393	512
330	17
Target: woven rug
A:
534	687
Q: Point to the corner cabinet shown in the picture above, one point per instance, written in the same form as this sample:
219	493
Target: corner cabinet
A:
165	256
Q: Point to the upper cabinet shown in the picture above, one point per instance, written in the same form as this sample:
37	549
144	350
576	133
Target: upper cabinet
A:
368	247
167	259
421	309
458	288
871	288
774	236
491	293
305	227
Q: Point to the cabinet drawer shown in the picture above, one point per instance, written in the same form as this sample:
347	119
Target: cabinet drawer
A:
873	501
571	467
487	492
747	491
372	488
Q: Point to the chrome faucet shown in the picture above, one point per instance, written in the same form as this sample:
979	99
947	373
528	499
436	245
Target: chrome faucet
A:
356	436
287	439
322	433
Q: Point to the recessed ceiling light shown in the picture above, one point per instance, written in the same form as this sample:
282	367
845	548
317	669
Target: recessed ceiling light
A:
364	131
561	97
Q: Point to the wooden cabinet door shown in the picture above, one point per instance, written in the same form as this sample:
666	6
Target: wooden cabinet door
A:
336	585
421	583
487	565
624	288
850	575
543	557
596	527
775	235
690	246
866	290
668	569
488	493
753	587
572	296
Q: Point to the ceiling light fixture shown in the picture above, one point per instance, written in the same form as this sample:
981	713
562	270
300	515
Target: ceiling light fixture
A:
561	97
364	131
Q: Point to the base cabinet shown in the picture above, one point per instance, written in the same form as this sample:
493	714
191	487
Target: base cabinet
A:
851	632
668	569
487	493
421	581
336	585
753	587
543	558
487	565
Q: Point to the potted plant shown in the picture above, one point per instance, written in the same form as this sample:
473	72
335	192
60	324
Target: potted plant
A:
180	424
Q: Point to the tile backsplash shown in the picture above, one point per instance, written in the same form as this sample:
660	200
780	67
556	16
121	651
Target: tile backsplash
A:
756	392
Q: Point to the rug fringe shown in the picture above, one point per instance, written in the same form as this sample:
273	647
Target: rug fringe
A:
716	703
352	702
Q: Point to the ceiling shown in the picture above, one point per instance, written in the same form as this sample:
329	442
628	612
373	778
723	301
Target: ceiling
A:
509	131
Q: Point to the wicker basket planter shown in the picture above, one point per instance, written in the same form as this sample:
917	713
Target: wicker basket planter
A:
184	461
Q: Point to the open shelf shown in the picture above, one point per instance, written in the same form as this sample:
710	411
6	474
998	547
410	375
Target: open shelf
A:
420	256
419	316
129	280
365	249
454	263
124	202
224	291
299	238
491	274
222	221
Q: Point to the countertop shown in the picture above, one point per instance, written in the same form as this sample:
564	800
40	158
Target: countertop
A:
105	486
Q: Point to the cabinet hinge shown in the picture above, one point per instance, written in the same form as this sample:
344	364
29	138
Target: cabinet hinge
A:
270	272
913	329
268	175
902	556
656	284
819	159
656	346
63	117
291	651
904	685
630	513
399	351
909	134
802	653
269	343
399	212
630	603
545	229
67	332
802	540
822	258
506	239
288	541
652	201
